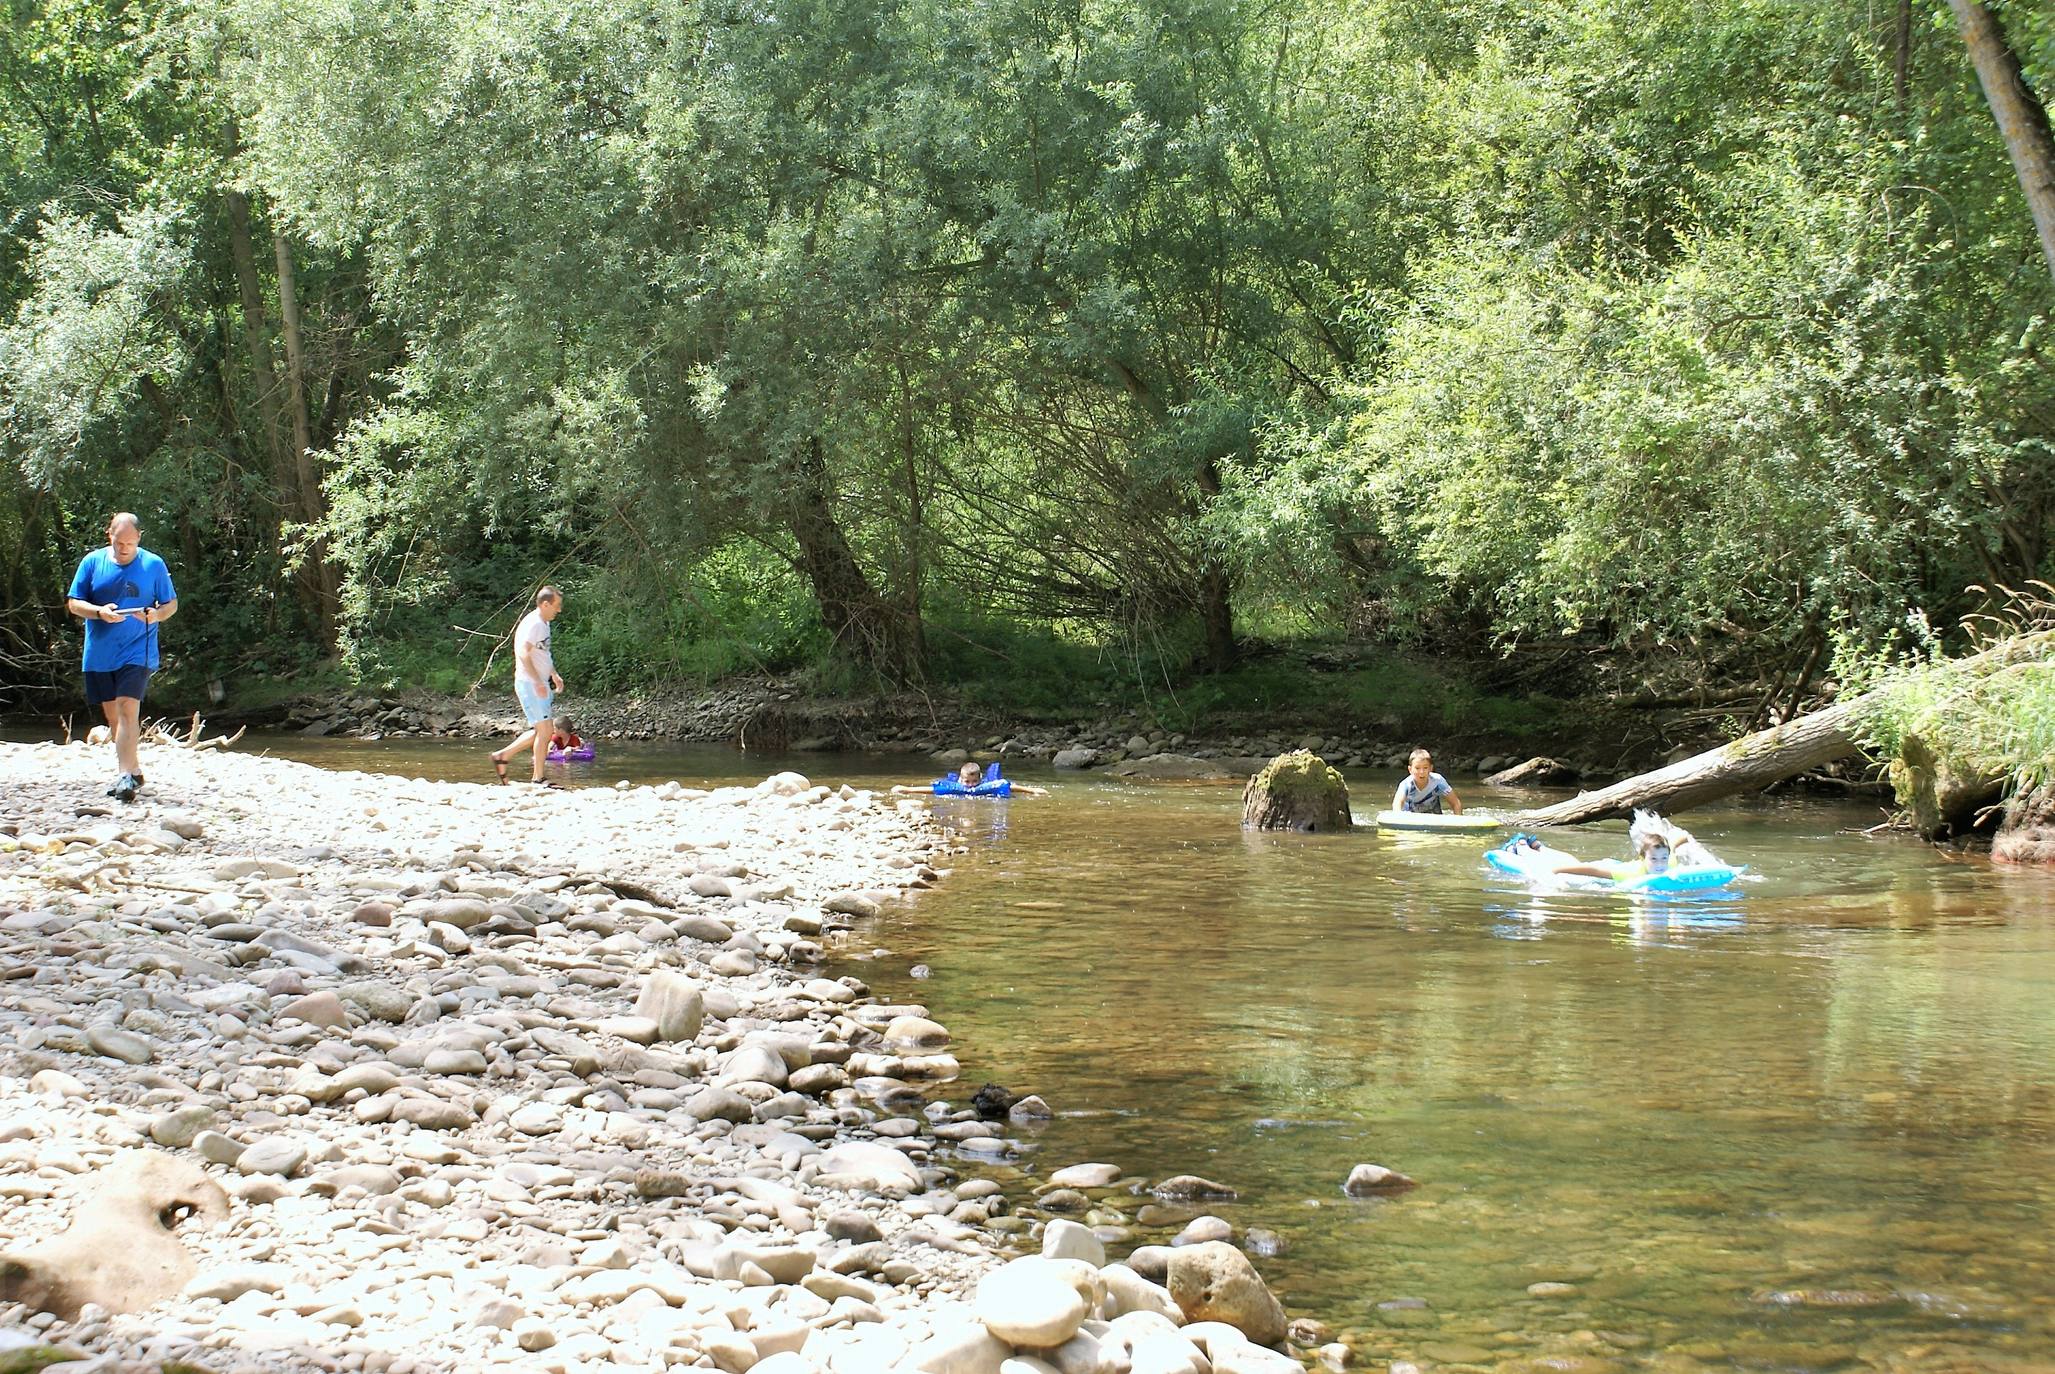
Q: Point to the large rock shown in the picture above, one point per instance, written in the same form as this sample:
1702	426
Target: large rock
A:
863	1165
1296	791
381	1001
966	1349
1070	1240
119	1251
1032	1303
1077	757
1127	1291
1215	1282
675	1003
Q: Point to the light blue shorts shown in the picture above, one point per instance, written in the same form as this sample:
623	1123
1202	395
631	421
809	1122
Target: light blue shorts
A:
534	705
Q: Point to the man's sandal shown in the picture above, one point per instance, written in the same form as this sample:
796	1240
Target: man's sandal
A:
499	766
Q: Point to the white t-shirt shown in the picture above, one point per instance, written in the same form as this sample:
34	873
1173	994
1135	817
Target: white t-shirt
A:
534	631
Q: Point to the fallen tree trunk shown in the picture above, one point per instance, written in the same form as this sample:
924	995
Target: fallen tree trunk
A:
1749	763
1755	761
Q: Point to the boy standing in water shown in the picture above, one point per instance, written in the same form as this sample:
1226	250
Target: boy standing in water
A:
1424	790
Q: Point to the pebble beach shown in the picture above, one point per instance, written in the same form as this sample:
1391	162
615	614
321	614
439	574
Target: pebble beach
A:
374	1074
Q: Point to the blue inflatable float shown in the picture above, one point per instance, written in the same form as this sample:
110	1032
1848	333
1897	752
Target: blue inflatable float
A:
990	785
1526	858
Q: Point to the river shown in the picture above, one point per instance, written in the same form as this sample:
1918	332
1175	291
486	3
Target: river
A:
1809	1124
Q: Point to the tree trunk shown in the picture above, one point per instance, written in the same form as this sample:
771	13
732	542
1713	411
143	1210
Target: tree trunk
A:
1216	610
1216	614
256	339
2022	119
914	571
1755	761
317	576
859	619
1902	57
257	344
1748	764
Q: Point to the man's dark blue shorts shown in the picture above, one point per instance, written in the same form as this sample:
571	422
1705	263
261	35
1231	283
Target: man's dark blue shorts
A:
130	680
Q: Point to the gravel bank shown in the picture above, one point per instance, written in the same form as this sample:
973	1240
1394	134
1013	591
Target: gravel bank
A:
454	1077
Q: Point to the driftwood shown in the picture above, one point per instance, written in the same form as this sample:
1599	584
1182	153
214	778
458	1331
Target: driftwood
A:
1755	761
1748	764
164	732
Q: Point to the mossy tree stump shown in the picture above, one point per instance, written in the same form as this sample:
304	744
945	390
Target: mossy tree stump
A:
1296	791
1944	796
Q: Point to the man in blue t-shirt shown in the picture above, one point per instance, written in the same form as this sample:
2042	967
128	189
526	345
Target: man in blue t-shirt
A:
123	593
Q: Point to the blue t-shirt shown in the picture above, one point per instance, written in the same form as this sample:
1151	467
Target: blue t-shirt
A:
144	582
1425	800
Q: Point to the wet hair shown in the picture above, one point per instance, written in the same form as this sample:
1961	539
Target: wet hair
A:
1417	755
976	771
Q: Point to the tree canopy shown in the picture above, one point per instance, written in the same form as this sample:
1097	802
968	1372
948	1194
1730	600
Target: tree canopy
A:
1709	332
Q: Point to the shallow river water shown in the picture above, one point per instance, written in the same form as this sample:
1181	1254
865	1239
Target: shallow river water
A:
1805	1126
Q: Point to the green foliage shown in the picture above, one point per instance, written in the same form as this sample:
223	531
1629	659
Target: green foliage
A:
90	340
1991	714
1033	350
2001	722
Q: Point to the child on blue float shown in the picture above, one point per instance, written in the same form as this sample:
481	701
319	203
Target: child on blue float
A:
1424	790
964	784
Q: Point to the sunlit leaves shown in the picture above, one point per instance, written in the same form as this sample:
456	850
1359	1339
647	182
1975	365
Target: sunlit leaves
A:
93	337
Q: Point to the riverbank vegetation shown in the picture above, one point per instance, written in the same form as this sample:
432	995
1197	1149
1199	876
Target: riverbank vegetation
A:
1665	353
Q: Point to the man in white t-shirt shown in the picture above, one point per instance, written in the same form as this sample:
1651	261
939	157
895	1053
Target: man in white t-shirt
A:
536	684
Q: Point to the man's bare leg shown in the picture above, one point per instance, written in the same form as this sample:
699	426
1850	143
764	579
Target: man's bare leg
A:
125	715
545	731
500	756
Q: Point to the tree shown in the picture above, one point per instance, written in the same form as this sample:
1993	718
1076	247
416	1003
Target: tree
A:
2022	118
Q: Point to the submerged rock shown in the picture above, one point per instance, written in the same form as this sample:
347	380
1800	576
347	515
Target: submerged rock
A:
993	1101
1171	768
1215	1282
1374	1180
1296	791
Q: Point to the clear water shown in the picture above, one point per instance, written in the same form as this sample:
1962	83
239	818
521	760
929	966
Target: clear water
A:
1805	1126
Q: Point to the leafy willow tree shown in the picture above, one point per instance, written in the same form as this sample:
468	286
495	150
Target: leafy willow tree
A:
1748	363
746	269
